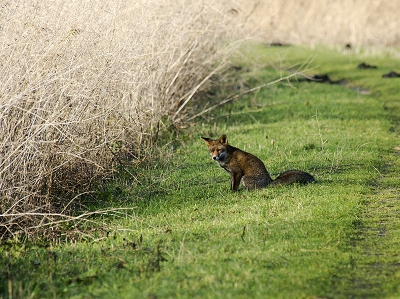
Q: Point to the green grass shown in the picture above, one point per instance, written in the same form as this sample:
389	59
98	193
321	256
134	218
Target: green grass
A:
189	236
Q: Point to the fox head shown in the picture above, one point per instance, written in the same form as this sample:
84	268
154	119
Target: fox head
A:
217	147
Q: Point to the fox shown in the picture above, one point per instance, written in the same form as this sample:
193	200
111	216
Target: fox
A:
248	169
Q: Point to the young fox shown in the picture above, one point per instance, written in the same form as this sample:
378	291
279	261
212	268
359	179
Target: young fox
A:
248	168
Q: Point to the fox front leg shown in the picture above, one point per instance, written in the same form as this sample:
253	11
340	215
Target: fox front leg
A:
235	181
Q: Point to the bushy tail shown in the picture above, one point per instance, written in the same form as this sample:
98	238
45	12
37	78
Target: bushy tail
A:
293	176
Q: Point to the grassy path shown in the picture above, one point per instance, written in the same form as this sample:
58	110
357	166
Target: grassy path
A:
190	237
376	261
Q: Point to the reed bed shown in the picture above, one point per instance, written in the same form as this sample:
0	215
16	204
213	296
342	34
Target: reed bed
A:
87	84
354	23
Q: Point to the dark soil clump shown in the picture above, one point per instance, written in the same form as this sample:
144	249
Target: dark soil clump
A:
391	74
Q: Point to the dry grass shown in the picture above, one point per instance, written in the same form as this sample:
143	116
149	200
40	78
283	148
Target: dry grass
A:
337	22
84	82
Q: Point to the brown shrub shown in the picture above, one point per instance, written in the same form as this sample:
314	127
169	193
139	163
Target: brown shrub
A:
86	81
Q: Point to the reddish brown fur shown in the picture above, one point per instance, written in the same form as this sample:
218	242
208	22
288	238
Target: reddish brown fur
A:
247	168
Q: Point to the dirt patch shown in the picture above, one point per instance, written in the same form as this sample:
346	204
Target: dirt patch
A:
364	65
324	78
391	74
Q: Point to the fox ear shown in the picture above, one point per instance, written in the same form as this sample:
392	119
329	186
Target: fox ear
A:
207	140
223	139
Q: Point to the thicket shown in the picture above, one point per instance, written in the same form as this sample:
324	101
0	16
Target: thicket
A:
88	84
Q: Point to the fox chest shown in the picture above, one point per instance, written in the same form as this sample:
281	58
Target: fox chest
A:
230	167
224	166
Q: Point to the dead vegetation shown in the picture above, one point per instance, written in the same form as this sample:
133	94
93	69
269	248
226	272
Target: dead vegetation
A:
84	83
340	22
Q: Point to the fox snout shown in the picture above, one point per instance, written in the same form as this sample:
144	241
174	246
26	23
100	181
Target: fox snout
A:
218	156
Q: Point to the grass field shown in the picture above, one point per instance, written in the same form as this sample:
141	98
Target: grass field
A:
188	236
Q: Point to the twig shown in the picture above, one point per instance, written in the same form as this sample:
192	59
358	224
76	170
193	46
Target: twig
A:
243	93
222	64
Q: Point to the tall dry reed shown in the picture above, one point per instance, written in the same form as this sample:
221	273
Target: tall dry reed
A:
84	82
336	22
